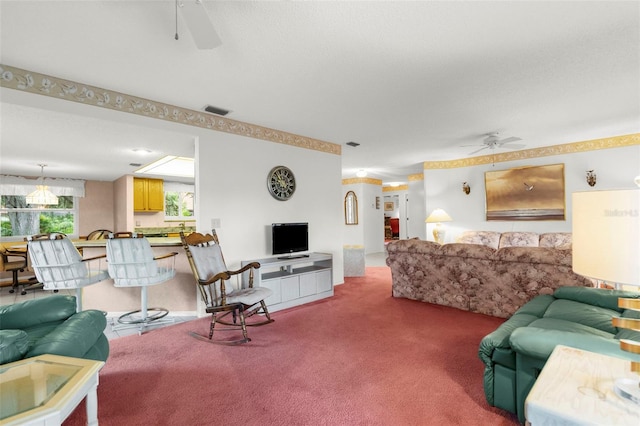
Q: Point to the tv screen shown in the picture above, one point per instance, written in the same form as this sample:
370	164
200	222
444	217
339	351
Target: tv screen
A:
289	238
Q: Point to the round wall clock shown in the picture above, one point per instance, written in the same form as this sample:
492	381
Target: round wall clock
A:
281	183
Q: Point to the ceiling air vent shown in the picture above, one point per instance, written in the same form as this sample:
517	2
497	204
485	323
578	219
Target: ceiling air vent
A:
353	144
216	110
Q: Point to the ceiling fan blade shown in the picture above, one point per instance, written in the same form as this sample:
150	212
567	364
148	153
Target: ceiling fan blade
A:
478	150
199	24
513	146
509	140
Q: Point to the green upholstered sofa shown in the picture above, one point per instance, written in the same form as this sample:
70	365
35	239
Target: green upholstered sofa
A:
50	325
580	317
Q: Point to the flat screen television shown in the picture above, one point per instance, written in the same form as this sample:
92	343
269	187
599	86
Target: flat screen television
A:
288	238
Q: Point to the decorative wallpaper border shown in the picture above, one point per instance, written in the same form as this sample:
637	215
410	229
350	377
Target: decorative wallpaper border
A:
415	177
352	181
46	85
569	148
41	84
395	188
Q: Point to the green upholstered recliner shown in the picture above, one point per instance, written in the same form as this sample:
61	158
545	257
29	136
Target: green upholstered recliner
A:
515	352
50	325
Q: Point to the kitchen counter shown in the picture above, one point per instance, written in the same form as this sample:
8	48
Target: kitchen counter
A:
164	231
154	241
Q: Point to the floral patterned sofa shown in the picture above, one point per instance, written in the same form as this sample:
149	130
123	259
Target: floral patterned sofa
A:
487	272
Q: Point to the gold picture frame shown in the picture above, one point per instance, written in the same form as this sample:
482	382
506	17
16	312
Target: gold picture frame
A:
526	193
388	206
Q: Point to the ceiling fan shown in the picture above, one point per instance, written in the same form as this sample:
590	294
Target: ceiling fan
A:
492	141
199	24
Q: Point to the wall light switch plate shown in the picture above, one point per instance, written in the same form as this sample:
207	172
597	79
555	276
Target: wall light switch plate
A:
215	223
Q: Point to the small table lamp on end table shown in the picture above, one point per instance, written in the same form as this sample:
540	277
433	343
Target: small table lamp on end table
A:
606	246
437	216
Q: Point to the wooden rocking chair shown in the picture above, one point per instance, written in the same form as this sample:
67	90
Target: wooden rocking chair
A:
221	299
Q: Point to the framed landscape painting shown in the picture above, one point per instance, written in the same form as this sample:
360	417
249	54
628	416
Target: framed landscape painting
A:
526	193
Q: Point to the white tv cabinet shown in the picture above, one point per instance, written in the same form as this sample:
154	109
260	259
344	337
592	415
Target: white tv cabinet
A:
294	281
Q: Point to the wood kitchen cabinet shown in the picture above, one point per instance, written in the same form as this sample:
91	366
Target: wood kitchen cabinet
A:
148	195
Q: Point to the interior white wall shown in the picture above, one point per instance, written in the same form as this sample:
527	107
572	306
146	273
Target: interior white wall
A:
369	232
231	185
373	218
353	234
615	168
416	210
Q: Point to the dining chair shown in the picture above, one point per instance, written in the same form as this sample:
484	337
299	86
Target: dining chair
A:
14	262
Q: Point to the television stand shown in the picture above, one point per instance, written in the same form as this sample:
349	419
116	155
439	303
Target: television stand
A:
294	280
293	256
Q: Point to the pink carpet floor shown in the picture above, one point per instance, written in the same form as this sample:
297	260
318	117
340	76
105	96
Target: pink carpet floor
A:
359	358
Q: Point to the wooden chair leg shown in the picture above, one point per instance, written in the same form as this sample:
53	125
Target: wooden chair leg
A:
236	311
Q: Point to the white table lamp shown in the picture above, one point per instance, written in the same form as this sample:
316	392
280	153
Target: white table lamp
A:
438	216
606	246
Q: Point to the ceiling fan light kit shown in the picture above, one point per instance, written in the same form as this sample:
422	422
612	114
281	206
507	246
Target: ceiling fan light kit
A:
492	141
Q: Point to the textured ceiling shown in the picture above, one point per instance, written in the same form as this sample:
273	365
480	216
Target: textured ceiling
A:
409	81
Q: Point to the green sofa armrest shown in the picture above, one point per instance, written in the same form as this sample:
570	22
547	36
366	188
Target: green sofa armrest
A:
13	345
37	311
74	337
495	348
499	338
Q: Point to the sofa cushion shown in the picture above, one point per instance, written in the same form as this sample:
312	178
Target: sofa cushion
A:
519	239
569	326
13	345
473	251
538	343
557	240
74	337
485	238
413	245
607	299
37	311
535	255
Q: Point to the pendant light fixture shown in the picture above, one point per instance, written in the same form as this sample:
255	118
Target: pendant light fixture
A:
42	196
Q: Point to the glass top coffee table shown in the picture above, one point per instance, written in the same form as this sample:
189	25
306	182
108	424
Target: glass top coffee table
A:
44	390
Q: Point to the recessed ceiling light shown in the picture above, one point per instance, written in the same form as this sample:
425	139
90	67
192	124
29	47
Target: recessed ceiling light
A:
361	173
142	151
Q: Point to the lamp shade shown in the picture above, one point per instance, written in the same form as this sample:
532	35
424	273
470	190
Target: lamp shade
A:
437	216
42	196
606	235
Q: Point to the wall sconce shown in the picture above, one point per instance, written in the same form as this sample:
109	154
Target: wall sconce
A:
466	188
591	178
